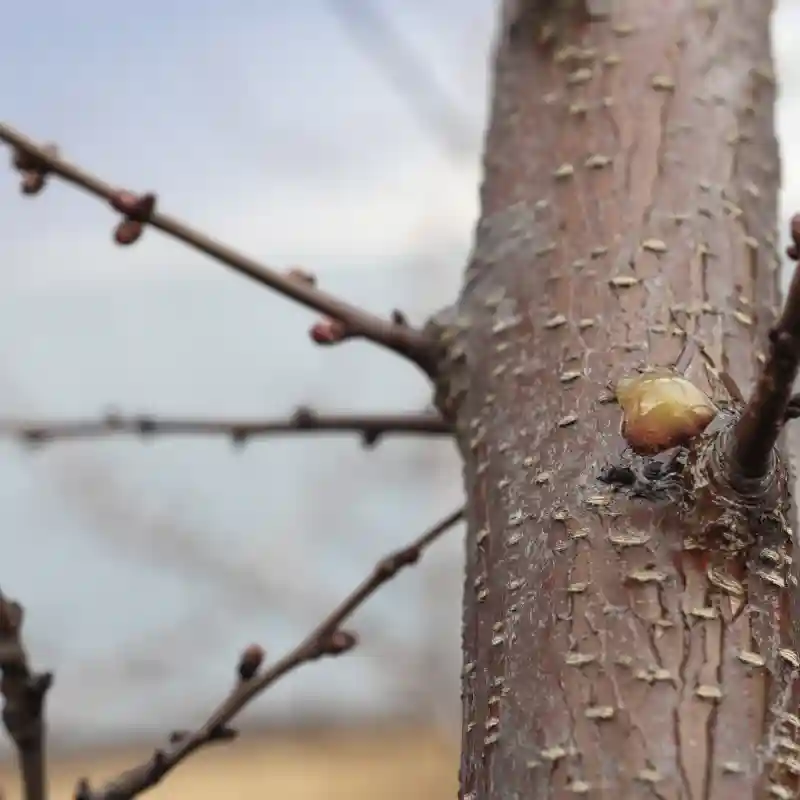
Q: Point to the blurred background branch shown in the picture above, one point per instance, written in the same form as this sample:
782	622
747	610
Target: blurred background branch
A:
370	427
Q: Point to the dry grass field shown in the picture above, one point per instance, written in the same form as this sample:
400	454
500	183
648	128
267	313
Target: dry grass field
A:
382	763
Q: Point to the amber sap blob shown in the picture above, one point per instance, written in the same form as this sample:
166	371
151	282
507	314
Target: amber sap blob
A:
662	410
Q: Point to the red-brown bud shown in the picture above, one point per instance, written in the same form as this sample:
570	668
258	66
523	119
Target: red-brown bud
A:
250	661
329	331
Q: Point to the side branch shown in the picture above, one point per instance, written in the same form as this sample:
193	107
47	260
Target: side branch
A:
23	695
757	430
371	427
344	321
327	639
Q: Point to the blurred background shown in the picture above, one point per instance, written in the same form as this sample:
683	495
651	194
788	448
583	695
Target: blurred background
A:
340	135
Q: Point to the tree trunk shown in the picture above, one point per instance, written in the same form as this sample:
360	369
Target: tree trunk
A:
628	207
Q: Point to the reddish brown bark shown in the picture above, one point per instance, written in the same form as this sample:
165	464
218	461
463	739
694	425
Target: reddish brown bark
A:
631	173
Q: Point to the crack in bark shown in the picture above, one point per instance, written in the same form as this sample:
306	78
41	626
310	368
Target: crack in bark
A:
680	690
711	722
661	153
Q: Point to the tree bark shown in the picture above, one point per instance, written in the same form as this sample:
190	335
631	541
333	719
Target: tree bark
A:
628	206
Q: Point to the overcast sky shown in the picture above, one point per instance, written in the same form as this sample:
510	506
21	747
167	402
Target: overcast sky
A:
269	126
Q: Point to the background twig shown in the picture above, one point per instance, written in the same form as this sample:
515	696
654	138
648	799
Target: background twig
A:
23	695
371	427
326	639
345	321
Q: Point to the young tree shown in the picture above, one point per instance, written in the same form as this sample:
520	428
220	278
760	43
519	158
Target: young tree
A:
628	617
618	645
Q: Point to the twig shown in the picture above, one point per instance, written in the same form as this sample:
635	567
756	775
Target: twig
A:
793	407
371	427
343	320
23	695
757	430
326	639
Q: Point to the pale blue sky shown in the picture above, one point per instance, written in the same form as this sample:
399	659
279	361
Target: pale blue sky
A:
265	124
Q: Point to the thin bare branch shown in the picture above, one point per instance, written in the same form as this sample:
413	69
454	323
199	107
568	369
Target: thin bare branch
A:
771	404
23	695
371	427
343	320
327	639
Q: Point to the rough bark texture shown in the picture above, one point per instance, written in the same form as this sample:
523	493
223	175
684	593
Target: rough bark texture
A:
631	173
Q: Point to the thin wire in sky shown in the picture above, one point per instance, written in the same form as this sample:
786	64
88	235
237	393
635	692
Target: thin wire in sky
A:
377	36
